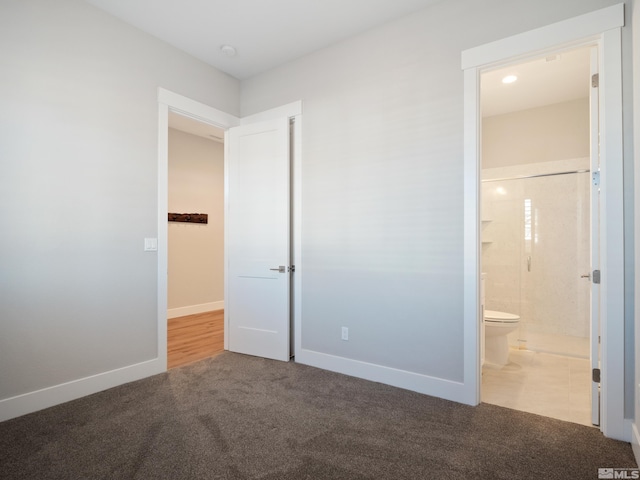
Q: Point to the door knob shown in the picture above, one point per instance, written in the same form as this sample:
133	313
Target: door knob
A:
281	269
593	276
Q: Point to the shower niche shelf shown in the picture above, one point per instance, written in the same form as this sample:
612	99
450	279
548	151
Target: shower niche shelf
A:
485	222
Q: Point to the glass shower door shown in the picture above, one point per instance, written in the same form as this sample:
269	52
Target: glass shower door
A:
535	248
555	305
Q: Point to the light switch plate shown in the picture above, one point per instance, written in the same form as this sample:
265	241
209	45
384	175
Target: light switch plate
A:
150	244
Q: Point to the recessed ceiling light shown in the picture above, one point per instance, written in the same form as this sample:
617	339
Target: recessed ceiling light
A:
228	51
509	79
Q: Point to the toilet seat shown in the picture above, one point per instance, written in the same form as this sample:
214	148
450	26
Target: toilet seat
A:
493	316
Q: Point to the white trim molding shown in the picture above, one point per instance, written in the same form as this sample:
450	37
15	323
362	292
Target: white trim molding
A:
601	28
611	237
565	33
65	392
635	442
196	110
195	309
438	387
471	266
163	230
296	237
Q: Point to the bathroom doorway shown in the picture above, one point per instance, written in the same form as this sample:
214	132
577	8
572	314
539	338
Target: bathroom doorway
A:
535	234
195	273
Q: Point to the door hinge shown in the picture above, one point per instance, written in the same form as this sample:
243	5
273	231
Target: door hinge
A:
596	276
595	375
595	80
292	269
595	178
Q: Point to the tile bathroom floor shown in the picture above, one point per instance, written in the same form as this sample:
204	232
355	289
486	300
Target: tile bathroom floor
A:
552	385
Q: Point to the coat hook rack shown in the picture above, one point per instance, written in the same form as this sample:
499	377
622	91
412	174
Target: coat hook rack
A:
189	217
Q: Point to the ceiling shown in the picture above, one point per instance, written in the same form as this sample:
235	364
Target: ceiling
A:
265	33
268	33
544	81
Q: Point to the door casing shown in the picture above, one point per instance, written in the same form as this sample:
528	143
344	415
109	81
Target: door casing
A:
603	29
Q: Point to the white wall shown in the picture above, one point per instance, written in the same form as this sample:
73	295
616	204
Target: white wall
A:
196	251
78	193
382	177
630	91
636	130
382	184
543	134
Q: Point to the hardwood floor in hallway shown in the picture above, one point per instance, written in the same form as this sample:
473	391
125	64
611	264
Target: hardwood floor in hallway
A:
194	337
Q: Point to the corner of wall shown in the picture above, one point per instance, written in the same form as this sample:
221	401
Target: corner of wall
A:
635	24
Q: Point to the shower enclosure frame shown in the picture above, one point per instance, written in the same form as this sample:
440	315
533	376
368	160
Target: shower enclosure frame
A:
601	28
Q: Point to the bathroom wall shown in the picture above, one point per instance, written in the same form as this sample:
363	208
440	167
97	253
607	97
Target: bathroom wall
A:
544	134
536	231
196	251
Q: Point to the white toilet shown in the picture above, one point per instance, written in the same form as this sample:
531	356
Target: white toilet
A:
497	325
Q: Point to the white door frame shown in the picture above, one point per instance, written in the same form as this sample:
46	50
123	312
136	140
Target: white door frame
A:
594	232
601	28
170	101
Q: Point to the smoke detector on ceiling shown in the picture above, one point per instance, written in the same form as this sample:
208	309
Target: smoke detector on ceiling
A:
228	51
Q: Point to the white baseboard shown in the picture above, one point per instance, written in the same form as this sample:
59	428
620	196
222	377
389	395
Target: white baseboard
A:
635	442
437	387
48	397
194	309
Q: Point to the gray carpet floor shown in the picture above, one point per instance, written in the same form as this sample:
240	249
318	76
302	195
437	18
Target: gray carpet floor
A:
240	417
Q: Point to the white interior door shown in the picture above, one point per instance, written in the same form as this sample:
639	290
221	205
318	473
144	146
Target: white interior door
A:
595	238
258	239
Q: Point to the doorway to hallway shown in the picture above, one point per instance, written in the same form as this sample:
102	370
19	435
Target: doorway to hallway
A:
195	292
290	116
